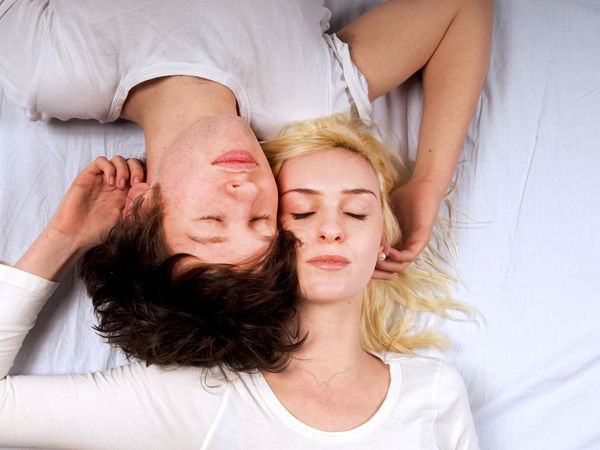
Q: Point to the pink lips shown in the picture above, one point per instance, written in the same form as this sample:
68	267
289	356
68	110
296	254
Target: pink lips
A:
241	160
329	262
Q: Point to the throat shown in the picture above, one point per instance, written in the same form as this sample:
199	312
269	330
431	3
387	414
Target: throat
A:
166	107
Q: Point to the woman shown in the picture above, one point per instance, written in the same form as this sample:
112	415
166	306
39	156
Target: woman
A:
342	224
186	72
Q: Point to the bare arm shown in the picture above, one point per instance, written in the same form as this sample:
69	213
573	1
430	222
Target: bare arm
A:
88	210
449	40
91	206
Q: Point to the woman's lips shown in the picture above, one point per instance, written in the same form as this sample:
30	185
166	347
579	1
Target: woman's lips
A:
329	262
238	160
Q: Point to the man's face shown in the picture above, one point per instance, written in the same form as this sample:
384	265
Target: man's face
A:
219	197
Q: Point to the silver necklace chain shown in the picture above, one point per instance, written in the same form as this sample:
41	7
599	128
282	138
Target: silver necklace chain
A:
326	383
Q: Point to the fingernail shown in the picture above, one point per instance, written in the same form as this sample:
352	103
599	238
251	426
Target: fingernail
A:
111	180
136	180
122	183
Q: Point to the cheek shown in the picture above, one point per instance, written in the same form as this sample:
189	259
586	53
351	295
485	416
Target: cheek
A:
297	229
370	240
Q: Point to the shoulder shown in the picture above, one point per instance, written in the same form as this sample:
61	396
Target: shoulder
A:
437	391
426	370
436	380
413	362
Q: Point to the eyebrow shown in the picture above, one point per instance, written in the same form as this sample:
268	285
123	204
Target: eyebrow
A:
220	239
315	192
207	239
209	217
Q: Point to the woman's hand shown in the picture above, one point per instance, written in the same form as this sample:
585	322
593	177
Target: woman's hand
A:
416	205
89	209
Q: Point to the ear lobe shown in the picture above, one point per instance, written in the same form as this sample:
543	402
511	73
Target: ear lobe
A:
137	190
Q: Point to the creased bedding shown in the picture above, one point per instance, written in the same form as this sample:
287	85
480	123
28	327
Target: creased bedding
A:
528	225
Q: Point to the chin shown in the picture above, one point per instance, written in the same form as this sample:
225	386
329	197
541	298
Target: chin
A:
329	295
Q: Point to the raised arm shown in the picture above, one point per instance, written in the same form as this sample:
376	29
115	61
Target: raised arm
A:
91	206
450	41
89	209
71	411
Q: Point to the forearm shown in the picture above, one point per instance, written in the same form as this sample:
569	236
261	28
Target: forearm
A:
22	296
452	82
49	254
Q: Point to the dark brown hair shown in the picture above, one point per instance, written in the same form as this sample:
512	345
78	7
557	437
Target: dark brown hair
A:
222	316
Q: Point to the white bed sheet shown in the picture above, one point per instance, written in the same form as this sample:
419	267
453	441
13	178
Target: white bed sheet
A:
529	232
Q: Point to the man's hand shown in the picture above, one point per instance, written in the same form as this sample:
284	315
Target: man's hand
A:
416	206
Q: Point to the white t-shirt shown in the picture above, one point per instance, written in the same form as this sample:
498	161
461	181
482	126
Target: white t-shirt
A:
139	407
79	59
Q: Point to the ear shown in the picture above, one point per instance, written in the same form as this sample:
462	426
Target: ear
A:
137	190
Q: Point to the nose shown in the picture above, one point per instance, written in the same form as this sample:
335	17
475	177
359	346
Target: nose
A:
242	189
330	231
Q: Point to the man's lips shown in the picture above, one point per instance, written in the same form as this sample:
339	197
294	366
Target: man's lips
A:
241	160
329	262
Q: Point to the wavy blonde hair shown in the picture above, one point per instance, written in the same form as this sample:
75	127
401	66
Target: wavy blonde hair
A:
391	308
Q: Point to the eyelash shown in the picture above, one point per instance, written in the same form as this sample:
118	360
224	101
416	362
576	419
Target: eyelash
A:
300	216
357	216
257	218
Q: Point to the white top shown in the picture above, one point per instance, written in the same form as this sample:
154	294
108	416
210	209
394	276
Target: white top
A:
80	59
139	407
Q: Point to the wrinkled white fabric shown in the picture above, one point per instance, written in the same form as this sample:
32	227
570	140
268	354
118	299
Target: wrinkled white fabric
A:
63	59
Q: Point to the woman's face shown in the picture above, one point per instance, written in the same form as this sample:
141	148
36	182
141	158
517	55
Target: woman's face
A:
331	201
218	193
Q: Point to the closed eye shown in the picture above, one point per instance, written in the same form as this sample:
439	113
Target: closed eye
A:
257	218
215	218
357	216
300	216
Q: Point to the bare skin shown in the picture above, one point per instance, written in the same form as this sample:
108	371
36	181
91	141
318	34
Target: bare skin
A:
166	107
88	210
450	42
188	123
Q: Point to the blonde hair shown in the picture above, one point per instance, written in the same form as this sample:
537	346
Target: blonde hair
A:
391	308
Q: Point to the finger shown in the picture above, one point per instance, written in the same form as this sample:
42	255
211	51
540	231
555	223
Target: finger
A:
136	171
392	266
396	255
106	168
408	254
122	171
411	249
382	275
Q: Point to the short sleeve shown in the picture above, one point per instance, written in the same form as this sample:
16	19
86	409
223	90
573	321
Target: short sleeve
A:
454	428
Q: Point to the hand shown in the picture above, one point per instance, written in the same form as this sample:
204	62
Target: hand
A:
89	209
416	205
95	201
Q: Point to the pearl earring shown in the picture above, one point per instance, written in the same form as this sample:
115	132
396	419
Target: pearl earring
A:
382	256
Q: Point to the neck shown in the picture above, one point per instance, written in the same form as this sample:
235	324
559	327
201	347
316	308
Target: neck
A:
333	341
166	107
